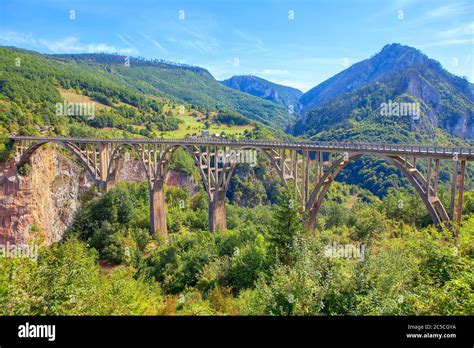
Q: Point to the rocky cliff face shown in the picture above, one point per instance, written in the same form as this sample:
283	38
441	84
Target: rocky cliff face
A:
463	127
264	89
130	169
42	203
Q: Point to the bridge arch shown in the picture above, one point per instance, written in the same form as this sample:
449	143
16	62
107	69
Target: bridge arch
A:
167	156
273	163
115	154
194	151
215	188
73	149
434	206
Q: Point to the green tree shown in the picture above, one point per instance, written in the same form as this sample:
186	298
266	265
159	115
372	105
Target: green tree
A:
288	226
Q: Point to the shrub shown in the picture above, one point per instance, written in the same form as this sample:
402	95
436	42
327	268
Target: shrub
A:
25	169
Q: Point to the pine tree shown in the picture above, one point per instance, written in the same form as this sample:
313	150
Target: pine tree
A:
288	226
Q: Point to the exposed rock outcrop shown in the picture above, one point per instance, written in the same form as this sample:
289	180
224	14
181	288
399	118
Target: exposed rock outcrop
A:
43	201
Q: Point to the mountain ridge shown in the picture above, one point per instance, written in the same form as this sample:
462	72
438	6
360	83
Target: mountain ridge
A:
398	73
265	89
393	57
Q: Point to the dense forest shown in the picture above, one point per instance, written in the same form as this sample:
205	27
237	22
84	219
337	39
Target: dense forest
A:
267	262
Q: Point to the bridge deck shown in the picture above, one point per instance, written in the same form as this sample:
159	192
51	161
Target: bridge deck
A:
433	151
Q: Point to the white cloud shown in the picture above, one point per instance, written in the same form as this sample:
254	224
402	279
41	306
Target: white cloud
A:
448	43
203	46
248	38
154	42
194	36
127	40
460	35
448	11
14	38
466	29
308	61
68	44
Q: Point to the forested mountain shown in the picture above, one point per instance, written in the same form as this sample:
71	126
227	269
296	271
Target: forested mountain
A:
127	101
264	89
349	105
188	84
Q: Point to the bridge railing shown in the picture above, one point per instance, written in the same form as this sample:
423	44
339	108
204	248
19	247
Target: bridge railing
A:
330	145
405	148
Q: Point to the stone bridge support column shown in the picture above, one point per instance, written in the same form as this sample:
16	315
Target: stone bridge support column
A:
106	181
106	185
217	215
157	210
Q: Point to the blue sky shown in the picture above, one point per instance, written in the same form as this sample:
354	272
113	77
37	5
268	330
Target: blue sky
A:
296	43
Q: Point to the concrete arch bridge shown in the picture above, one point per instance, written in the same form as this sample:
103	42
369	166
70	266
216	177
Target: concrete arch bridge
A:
309	167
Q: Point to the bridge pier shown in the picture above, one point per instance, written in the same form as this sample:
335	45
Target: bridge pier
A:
106	185
217	215
157	210
109	184
313	211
